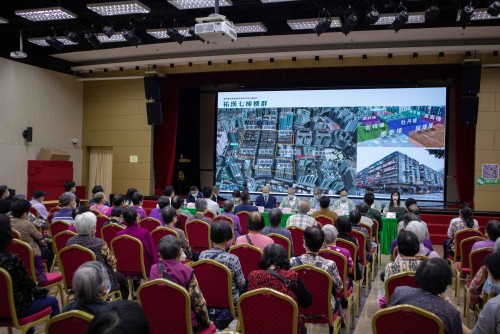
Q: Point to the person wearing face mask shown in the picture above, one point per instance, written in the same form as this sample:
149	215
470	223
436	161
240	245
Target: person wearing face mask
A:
216	197
314	202
395	202
236	199
291	201
193	194
344	203
265	199
67	201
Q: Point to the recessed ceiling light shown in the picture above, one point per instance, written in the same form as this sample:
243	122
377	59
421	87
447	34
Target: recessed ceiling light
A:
161	33
46	14
117	37
310	24
250	28
479	15
40	41
388	19
190	4
119	8
3	20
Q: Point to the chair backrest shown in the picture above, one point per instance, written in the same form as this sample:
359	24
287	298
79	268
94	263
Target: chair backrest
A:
215	280
16	234
249	257
7	306
162	231
95	212
361	237
283	241
298	240
227	219
70	259
406	278
60	240
395	253
267	311
99	224
25	253
375	230
461	235
108	232
198	234
353	250
57	226
465	249
477	258
209	214
323	220
34	211
149	224
129	254
74	322
243	215
406	319
368	228
181	221
55	209
157	297
341	262
319	283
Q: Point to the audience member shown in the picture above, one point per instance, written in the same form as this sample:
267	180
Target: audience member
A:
173	270
331	234
255	224
275	216
120	317
169	192
466	222
236	197
201	208
95	190
345	228
194	194
4	192
394	202
291	201
216	197
419	229
177	205
128	197
156	213
344	203
70	186
489	319
90	284
67	201
37	202
211	205
228	212
492	233
245	203
301	219
85	225
407	218
413	208
117	203
265	199
137	199
116	217
324	210
374	210
355	218
371	201
481	284
169	216
99	203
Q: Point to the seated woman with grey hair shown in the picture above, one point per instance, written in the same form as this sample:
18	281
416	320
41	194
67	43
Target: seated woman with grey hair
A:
90	284
419	229
85	225
331	234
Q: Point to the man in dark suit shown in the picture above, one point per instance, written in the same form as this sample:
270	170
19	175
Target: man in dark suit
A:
372	213
215	195
245	205
194	194
266	200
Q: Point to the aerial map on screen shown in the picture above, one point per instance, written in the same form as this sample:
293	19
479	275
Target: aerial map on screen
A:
387	139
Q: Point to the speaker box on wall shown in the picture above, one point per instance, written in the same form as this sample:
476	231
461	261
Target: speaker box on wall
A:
28	134
471	78
468	109
155	113
152	88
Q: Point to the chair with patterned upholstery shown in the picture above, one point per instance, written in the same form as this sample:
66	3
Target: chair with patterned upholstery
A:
215	280
198	234
361	237
70	259
320	285
462	267
353	250
249	257
58	226
101	220
162	231
149	223
243	215
406	319
266	311
8	314
181	221
323	220
108	232
406	278
346	293
283	241
129	254
159	295
74	322
298	240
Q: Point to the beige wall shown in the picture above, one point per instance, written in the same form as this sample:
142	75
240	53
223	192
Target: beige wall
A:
487	197
49	102
114	114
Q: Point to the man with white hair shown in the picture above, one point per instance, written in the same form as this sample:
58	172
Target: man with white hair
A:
301	219
314	202
291	201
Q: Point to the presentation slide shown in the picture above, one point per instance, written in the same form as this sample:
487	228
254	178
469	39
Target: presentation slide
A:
387	139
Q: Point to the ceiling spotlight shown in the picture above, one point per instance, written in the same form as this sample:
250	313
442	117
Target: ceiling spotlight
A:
73	36
294	59
415	55
190	64
441	54
54	42
389	55
466	15
91	72
131	37
495	53
400	20
271	60
121	69
323	24
372	16
105	70
175	35
316	58
172	65
341	57
349	23
431	13
229	61
250	61
209	63
93	40
365	57
108	31
494	9
137	68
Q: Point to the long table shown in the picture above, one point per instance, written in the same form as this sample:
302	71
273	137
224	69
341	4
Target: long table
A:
388	234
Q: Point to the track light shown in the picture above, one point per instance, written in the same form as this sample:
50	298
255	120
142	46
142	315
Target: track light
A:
108	31
190	64
316	58
229	61
172	65
271	60
93	40
131	37
431	13
323	24
250	61
349	23
372	16
389	55
415	55
73	37
175	35
341	57
209	63
495	53
54	42
120	69
400	20
466	15
494	9
441	54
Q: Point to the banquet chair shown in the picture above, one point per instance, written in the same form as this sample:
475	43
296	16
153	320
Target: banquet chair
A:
361	237
459	236
16	234
283	241
249	257
181	221
74	322
376	229
57	226
353	250
298	240
108	232
198	234
101	220
406	278
323	220
59	242
162	231
406	319
372	251
149	224
228	220
34	211
210	214
243	215
462	266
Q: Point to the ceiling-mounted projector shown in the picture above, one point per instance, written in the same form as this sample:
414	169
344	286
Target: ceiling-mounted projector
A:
215	29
